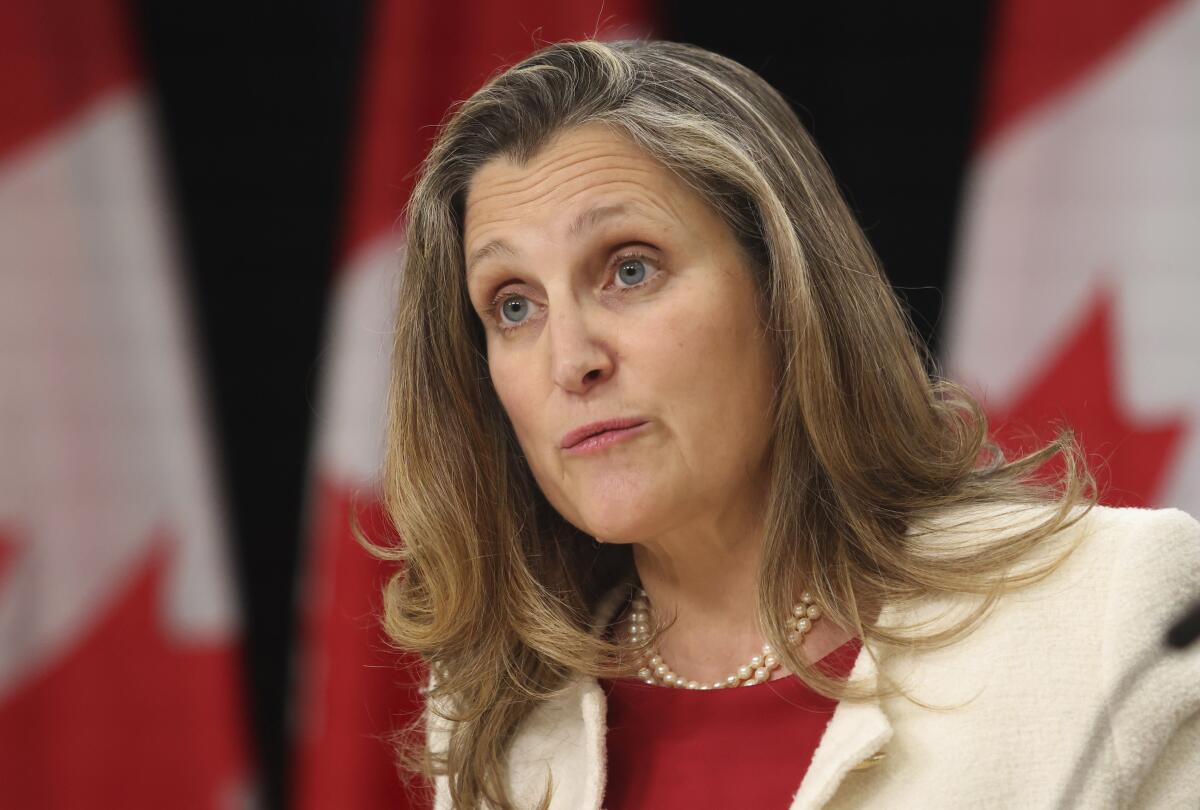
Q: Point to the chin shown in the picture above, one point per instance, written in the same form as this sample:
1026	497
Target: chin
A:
616	505
617	521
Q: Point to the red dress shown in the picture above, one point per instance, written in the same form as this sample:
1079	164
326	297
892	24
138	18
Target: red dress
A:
744	747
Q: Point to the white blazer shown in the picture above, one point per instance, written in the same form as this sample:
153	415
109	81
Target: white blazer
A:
1021	693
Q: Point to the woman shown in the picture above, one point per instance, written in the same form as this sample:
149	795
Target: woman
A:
658	427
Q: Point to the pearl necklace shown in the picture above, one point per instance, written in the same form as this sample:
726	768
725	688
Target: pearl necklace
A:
656	671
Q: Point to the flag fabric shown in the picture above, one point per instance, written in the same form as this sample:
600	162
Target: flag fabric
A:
350	690
1078	263
120	671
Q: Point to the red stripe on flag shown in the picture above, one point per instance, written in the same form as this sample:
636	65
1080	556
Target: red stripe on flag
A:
357	690
57	56
1040	48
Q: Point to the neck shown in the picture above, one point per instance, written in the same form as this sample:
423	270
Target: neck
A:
705	579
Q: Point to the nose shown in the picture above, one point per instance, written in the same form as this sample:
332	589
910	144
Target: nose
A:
580	357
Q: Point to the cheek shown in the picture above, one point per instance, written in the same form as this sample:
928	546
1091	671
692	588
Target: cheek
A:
507	388
523	398
513	393
712	370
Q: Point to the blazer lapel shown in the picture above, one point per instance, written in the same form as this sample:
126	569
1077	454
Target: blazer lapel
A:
851	741
564	738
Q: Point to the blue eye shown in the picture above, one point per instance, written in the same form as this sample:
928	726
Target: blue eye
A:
631	267
516	307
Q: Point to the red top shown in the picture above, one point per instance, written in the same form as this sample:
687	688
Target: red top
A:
744	747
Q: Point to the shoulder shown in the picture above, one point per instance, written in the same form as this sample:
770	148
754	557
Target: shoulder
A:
1152	558
1132	571
1147	562
1129	575
1133	546
1155	692
1086	641
1149	543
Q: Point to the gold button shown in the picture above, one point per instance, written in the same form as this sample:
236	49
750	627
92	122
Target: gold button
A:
870	762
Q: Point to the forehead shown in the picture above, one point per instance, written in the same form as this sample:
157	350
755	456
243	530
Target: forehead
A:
579	168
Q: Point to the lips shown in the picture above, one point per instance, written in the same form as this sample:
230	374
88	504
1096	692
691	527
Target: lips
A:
587	431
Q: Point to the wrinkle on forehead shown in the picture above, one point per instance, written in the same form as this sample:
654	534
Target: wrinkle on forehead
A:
598	161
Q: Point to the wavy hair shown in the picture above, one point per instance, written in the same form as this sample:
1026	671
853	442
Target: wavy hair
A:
496	591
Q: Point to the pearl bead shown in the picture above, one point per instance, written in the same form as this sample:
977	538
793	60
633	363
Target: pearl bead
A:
656	671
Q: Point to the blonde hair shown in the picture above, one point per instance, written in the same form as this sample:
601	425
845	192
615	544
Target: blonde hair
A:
496	591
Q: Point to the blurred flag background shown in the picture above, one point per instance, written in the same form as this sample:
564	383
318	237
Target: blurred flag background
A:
120	676
185	618
1079	264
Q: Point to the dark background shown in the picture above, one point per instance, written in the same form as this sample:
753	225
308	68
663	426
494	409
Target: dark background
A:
256	103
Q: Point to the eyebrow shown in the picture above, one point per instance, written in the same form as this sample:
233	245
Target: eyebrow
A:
588	220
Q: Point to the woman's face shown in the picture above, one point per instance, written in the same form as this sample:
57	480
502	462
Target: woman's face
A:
608	289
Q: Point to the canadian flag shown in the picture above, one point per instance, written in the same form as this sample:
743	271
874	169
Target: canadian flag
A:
120	675
1078	265
351	690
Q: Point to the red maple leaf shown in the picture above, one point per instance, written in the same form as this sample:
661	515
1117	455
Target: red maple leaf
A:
1078	388
128	717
